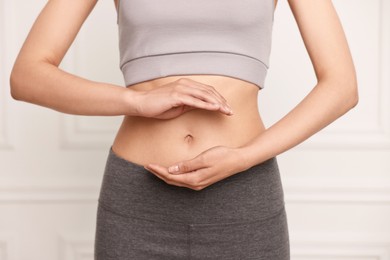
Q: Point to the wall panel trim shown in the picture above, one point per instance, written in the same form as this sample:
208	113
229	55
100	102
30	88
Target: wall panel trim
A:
4	68
308	192
339	245
75	246
379	138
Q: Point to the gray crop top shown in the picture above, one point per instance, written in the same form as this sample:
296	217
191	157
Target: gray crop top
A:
179	37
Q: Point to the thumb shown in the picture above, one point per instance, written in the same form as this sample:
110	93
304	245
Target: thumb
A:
186	166
175	112
187	108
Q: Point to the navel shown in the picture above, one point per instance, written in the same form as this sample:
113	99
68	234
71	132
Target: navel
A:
188	138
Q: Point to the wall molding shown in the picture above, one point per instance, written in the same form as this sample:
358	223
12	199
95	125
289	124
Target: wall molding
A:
348	245
298	192
76	132
378	138
334	141
4	140
337	195
3	250
49	194
74	135
384	64
322	190
7	246
76	247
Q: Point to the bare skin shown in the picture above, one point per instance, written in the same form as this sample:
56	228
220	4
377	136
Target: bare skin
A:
171	121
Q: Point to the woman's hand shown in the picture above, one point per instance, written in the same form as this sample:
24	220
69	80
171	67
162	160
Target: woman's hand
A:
210	166
178	97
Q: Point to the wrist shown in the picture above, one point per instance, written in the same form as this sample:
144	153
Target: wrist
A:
252	153
132	101
244	158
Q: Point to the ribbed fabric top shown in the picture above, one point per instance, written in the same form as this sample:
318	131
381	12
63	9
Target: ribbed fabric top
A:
179	37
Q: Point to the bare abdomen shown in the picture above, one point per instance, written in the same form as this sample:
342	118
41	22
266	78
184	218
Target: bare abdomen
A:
147	140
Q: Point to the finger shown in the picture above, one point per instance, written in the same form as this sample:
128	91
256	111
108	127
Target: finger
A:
207	95
211	88
174	112
194	180
187	166
212	91
202	93
205	92
163	174
207	88
195	102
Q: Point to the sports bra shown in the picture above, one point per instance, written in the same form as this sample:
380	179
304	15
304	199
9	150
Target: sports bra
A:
179	37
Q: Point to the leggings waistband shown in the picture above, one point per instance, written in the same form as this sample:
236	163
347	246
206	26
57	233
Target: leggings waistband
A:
129	190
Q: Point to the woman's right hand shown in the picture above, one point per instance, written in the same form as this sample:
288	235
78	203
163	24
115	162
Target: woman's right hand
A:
177	97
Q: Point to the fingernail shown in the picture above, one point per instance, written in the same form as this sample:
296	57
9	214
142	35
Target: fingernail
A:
173	169
229	110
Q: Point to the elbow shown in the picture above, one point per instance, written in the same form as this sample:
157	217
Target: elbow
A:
15	86
20	81
353	93
26	78
354	99
349	96
344	86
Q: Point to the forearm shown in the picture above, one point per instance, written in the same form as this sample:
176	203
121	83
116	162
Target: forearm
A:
46	85
322	106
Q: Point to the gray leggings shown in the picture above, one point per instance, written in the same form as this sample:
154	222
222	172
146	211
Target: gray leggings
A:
142	217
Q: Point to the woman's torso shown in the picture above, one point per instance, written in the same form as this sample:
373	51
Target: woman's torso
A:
147	140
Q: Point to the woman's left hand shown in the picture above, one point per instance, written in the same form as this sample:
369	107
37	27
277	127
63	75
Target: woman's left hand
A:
210	166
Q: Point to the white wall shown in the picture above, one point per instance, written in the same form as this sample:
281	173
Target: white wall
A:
337	183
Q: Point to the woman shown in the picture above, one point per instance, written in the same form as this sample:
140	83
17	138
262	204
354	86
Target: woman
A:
192	173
